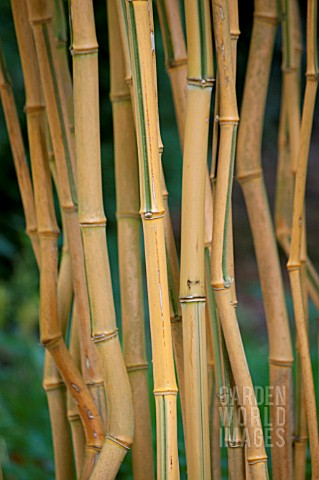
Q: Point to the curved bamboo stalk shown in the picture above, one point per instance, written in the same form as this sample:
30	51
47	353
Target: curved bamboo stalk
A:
78	437
51	336
91	366
249	174
63	149
129	222
53	384
294	263
92	221
36	135
19	156
228	121
152	211
192	283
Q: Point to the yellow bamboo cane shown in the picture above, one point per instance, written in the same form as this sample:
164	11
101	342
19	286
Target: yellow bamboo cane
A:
294	263
31	73
53	384
152	212
249	174
192	283
177	69
40	17
129	224
228	121
78	437
92	221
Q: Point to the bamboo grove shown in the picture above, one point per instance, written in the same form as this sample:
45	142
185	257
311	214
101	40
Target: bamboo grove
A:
98	389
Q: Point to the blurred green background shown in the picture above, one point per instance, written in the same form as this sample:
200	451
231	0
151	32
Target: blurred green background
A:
25	442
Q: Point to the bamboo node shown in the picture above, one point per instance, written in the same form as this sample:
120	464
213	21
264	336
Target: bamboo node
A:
73	417
280	362
50	344
136	367
89	50
152	215
293	266
40	21
235	444
120	97
176	318
235	35
249	176
192	299
31	230
93	448
175	63
254	460
104	337
34	108
161	392
48	386
95	384
201	82
218	286
119	442
266	18
228	120
94	222
49	232
300	439
312	76
59	43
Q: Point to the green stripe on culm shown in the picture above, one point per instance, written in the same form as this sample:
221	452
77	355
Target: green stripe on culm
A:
140	110
167	34
228	202
60	113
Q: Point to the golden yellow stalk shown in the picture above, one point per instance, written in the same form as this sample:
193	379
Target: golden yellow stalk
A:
152	212
63	149
92	221
177	71
51	336
295	255
129	244
228	121
42	30
192	283
249	174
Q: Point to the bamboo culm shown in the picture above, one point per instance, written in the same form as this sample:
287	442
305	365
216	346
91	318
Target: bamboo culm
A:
152	212
130	261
